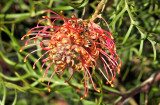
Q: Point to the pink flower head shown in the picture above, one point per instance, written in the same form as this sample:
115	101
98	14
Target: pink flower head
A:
76	44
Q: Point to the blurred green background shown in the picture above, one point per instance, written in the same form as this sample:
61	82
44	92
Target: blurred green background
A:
135	26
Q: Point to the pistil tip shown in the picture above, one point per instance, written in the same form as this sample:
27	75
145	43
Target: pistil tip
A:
43	16
20	50
42	79
98	91
33	67
22	38
81	98
112	85
49	90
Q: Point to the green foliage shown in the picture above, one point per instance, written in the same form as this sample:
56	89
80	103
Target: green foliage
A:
135	26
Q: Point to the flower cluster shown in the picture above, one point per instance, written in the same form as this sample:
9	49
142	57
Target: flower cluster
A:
76	44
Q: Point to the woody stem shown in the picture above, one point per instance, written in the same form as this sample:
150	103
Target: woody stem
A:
102	2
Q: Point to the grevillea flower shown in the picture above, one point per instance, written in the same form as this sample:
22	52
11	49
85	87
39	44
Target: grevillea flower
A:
76	44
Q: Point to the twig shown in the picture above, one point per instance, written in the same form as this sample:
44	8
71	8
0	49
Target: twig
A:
97	10
143	87
104	7
130	100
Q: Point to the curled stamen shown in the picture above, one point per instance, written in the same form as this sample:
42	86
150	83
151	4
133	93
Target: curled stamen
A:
71	76
49	90
91	80
38	34
45	73
102	73
105	22
31	53
28	46
87	85
39	59
44	62
44	48
108	67
105	54
84	86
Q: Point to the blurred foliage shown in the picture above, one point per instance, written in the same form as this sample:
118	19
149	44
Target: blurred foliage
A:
135	26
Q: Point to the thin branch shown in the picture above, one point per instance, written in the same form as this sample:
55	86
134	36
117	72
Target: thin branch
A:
104	7
145	86
97	10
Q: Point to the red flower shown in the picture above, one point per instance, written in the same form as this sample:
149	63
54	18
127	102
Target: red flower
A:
77	44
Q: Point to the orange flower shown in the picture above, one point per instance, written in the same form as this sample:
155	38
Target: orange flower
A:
77	44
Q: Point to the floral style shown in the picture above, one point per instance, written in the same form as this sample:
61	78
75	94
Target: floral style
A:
76	44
